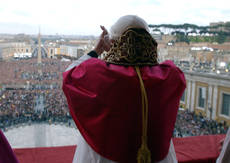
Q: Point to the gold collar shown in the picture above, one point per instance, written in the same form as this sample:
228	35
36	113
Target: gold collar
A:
135	47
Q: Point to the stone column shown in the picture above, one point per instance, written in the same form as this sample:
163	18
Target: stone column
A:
193	96
209	103
215	97
188	104
39	48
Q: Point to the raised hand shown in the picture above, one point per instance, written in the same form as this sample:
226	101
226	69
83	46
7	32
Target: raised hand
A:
103	43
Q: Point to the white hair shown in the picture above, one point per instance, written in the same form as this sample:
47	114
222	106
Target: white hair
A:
126	22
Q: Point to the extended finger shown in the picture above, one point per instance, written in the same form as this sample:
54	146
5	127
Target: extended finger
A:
105	32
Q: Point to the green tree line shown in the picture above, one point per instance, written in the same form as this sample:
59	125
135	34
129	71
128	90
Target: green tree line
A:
218	36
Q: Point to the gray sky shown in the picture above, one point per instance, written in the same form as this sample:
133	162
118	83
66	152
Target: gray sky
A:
83	17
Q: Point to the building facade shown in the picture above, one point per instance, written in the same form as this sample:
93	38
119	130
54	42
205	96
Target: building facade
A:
208	94
15	50
71	51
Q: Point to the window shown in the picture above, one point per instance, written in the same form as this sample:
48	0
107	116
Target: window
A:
201	97
225	108
183	97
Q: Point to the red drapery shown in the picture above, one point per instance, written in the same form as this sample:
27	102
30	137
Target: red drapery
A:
197	149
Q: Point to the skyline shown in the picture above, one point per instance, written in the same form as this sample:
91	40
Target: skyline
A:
71	17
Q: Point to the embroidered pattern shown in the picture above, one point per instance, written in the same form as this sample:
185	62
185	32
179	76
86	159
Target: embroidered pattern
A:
136	47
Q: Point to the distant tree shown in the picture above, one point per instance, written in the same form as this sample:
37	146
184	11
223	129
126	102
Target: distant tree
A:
204	31
227	24
156	29
221	37
218	36
181	37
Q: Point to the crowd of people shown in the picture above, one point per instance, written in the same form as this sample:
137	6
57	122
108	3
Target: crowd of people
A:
22	84
29	71
25	106
38	76
190	124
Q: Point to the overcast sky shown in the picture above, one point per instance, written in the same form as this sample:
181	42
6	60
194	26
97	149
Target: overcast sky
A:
83	17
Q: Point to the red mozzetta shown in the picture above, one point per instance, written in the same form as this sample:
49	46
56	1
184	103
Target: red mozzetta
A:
105	103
